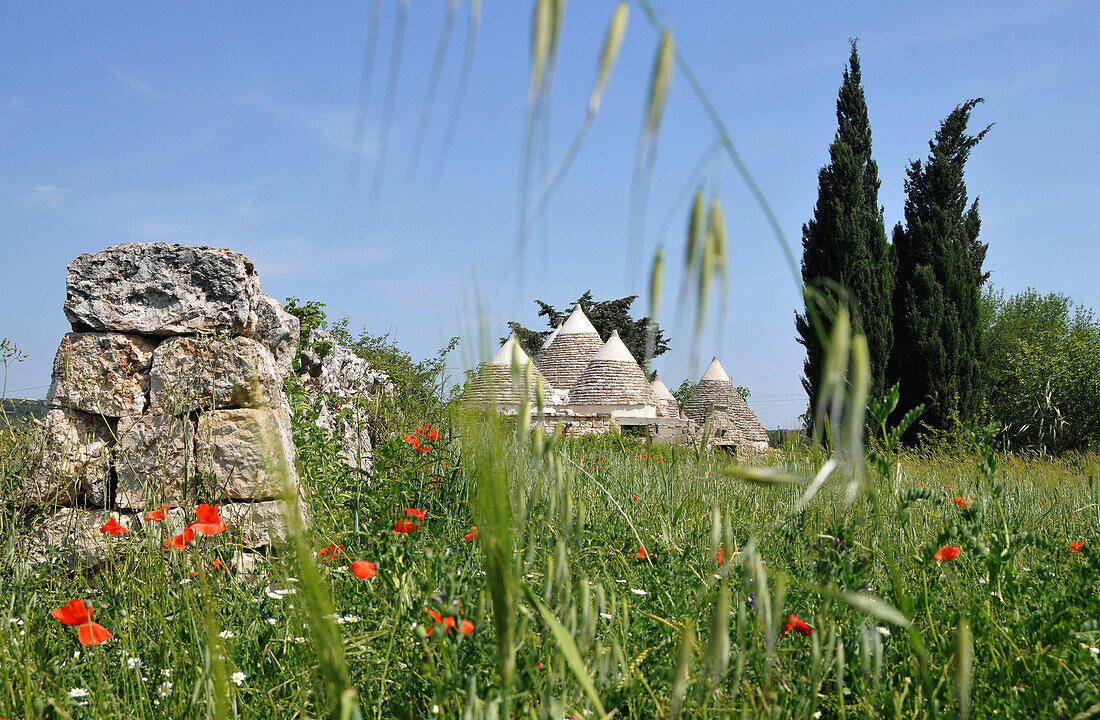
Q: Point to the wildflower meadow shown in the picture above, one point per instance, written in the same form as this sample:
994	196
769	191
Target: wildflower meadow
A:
507	572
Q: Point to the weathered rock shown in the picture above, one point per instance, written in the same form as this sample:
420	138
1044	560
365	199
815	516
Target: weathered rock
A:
210	373
258	524
347	422
73	537
101	373
342	373
154	461
161	289
341	385
277	330
74	462
243	453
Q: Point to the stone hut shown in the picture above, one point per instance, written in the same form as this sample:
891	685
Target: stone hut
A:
612	383
571	348
494	384
168	392
732	421
667	405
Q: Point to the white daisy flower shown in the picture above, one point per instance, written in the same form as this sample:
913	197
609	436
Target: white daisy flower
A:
166	672
165	688
885	632
272	621
133	663
237	678
638	591
226	634
78	693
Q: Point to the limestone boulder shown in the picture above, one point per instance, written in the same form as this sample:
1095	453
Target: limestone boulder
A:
101	373
348	422
154	461
74	466
338	371
72	536
258	524
208	373
242	454
161	289
277	330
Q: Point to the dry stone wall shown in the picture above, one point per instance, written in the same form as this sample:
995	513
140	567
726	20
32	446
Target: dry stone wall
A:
168	391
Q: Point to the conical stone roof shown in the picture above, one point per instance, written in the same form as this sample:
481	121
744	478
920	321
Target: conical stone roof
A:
613	377
667	405
494	385
574	344
550	339
732	420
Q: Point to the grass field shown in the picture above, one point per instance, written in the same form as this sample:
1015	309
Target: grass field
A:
569	617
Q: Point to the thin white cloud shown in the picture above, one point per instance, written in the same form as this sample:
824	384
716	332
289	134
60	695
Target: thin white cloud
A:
44	197
331	127
144	88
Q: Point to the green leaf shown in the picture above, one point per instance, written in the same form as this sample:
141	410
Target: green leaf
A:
568	648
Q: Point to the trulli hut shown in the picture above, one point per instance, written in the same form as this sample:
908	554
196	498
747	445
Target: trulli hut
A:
667	405
494	384
732	421
550	339
574	344
613	383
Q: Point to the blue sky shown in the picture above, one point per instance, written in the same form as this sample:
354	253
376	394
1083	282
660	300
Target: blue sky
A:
231	125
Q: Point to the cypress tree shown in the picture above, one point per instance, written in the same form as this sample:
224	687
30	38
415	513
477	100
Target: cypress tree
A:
937	333
845	256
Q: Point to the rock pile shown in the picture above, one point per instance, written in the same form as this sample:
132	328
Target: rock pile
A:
341	386
168	392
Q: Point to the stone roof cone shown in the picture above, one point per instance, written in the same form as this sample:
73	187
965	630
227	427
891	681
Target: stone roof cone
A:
573	346
549	340
667	405
494	383
732	420
613	377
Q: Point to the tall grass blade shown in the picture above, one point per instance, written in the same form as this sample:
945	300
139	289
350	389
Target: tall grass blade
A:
568	648
364	92
390	99
433	84
964	656
473	26
683	669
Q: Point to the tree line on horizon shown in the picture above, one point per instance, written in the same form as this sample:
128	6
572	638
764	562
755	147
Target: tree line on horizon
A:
934	326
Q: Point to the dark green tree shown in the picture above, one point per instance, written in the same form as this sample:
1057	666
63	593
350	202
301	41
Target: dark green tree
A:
845	257
937	328
606	316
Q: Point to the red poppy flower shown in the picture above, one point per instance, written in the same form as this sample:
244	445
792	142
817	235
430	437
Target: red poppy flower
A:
642	554
411	440
363	570
330	552
209	522
179	542
112	528
472	535
75	612
1076	546
793	623
720	558
156	515
91	633
448	622
945	553
634	498
960	502
467	627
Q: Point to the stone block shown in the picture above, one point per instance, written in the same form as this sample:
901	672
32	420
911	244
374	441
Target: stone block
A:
101	373
277	330
161	289
74	462
155	461
212	373
242	454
